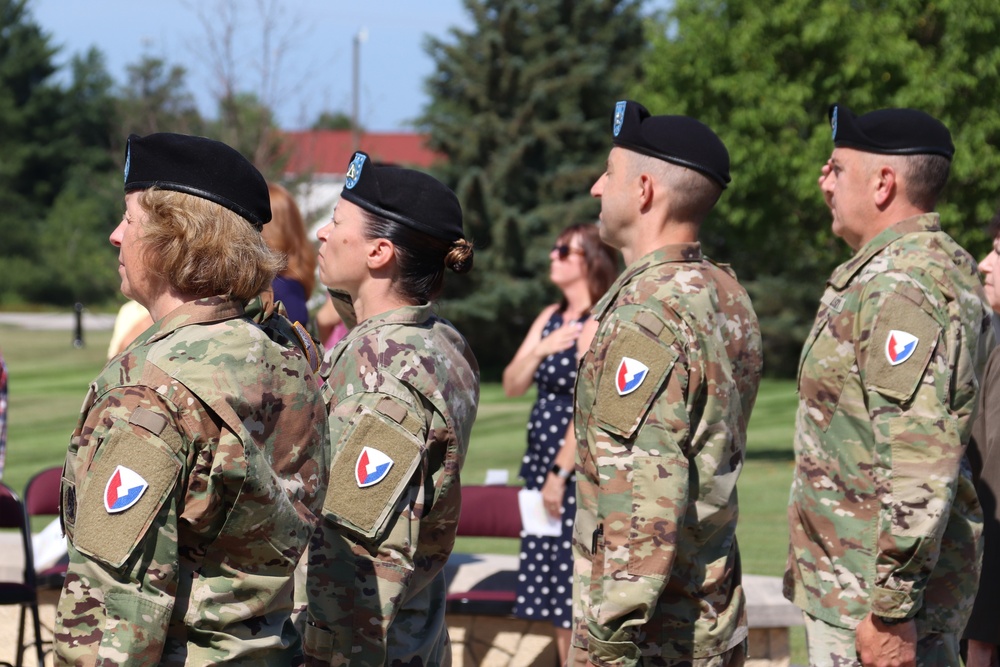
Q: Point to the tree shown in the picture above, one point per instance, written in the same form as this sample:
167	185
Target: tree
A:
764	75
155	98
249	75
50	137
521	109
333	120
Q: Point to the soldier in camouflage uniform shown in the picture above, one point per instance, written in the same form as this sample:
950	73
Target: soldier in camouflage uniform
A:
195	477
883	517
663	397
403	390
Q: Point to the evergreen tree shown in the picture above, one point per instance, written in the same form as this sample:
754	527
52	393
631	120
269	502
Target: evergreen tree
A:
155	98
50	138
764	76
521	108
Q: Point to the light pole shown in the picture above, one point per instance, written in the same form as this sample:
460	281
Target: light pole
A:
361	36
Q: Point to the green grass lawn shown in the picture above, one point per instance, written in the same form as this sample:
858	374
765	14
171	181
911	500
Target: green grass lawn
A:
49	378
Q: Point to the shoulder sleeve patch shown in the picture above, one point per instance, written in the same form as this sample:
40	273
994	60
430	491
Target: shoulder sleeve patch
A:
635	367
903	339
375	460
122	494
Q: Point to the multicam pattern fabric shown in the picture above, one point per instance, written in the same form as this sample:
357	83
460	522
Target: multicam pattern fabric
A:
210	432
406	385
657	570
834	646
883	514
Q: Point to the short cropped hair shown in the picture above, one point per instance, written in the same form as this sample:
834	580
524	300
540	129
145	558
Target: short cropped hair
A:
924	176
692	194
202	249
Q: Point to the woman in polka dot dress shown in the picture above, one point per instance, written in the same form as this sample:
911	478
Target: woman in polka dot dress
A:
583	268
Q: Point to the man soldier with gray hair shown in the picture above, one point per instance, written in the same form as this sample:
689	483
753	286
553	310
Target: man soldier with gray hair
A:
883	517
663	398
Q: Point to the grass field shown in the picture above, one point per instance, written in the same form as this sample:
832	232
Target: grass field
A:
48	380
49	377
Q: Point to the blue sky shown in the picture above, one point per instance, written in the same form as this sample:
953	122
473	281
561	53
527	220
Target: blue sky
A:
317	65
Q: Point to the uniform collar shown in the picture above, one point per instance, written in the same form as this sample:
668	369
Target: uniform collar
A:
415	315
926	222
678	252
208	310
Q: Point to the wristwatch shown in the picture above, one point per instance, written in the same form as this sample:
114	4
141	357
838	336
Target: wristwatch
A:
560	473
886	620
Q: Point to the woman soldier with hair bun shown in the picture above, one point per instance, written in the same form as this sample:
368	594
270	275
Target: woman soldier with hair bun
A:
402	391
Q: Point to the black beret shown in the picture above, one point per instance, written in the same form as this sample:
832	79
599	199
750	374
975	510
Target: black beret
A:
677	139
891	132
409	197
198	166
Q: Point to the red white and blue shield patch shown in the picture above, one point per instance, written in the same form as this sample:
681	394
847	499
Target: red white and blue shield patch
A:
123	490
899	346
372	467
631	373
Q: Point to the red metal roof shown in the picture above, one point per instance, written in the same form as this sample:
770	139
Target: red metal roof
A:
330	151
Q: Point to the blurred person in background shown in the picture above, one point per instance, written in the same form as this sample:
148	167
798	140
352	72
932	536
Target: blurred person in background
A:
286	234
583	268
196	473
982	632
132	320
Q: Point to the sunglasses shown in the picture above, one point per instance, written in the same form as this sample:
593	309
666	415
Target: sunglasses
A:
563	250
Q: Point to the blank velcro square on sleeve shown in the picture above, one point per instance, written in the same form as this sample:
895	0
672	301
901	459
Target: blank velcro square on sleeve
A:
375	462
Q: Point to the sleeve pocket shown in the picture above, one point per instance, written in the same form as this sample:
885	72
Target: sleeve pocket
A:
375	461
135	630
122	494
635	367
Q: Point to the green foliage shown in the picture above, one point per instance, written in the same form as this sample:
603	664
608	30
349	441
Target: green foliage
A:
55	146
333	120
763	75
155	98
520	106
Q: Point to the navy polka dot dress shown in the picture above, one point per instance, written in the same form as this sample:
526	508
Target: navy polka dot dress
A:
545	574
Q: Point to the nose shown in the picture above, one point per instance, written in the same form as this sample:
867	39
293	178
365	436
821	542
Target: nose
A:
986	265
118	234
323	232
597	189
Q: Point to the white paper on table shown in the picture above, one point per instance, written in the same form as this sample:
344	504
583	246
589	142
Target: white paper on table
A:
534	519
48	545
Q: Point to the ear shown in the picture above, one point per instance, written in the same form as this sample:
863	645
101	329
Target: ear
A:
645	191
885	185
379	253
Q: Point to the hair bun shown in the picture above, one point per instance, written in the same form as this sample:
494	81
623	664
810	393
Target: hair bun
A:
459	257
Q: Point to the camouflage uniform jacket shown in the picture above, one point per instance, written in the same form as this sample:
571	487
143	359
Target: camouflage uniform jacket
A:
663	397
403	391
193	482
883	515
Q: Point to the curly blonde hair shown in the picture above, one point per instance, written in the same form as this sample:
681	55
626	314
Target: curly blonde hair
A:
202	249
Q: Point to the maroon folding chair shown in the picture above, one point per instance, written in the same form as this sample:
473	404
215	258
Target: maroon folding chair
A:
41	498
23	593
488	511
